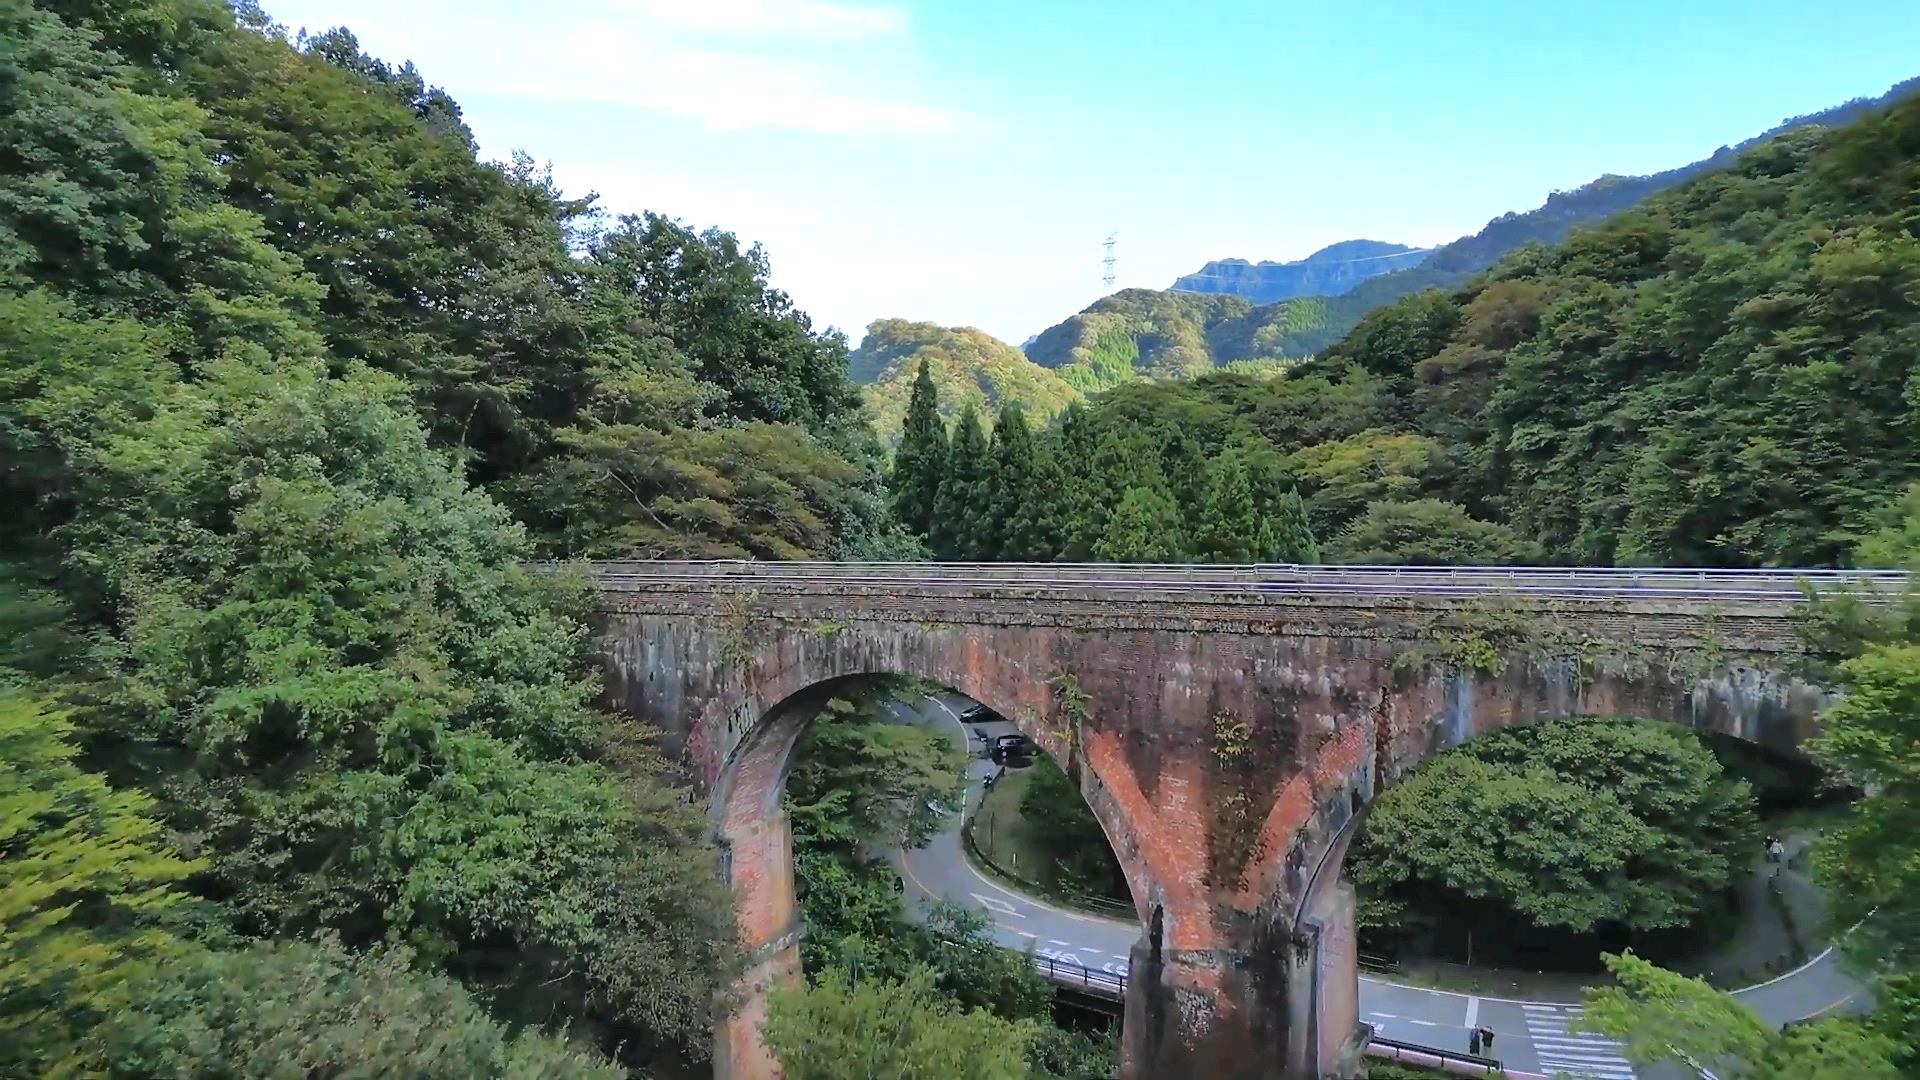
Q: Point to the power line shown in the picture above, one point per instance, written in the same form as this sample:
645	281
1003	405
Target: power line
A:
1107	278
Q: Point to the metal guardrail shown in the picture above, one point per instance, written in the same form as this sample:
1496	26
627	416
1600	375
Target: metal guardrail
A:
1546	582
1381	1046
1068	973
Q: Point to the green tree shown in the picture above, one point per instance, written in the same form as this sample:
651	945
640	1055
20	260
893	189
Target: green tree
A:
920	462
1071	835
1660	1016
1145	527
86	887
1292	537
960	511
1082	500
839	1029
1428	532
1567	823
861	778
1870	737
1009	485
1040	523
318	1009
1230	528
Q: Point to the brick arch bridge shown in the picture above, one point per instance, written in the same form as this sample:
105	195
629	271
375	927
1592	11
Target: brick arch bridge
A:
1225	725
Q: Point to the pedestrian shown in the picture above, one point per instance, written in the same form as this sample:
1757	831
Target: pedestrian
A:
1486	1038
1777	851
1473	1042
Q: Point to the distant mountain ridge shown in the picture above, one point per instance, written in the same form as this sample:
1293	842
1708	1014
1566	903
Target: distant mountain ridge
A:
1177	332
1330	271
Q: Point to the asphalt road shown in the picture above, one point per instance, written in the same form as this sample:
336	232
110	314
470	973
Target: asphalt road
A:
1534	1037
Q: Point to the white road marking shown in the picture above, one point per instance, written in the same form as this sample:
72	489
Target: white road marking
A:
998	907
1562	1050
1473	1012
1383	1016
1423	1023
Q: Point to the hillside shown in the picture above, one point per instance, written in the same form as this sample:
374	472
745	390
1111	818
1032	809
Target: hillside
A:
968	365
1187	330
1143	333
1328	272
1725	375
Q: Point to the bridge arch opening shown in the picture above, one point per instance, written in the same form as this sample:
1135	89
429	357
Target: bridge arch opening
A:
758	846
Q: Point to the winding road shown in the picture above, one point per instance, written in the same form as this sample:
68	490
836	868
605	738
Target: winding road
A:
1531	1037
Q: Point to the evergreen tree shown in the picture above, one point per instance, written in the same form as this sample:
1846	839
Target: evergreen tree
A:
1039	525
1291	541
1009	485
1081	500
921	461
1184	461
1229	528
1144	527
958	512
1123	458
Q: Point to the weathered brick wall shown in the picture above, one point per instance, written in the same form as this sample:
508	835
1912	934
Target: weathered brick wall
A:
1224	741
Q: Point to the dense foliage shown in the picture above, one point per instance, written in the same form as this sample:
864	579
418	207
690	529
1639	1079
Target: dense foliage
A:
968	366
1069	833
1143	334
1567	824
1101	485
840	1029
296	389
863	779
1660	1016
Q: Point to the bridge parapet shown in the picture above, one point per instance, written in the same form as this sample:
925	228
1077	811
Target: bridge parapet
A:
1735	611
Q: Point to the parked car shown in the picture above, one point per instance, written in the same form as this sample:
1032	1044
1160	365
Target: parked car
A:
1011	747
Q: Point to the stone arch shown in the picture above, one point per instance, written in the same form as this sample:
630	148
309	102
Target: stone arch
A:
750	825
1440	708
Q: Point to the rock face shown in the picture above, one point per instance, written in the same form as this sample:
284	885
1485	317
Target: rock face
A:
1224	740
1328	272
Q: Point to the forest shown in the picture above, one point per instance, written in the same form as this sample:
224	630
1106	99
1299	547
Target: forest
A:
295	390
1720	376
304	766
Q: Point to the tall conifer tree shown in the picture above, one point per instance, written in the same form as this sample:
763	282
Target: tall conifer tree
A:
1292	538
1144	527
1039	526
921	461
958	513
1229	529
1009	485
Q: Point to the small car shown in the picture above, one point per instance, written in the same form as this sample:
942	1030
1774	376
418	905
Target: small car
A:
975	713
1009	747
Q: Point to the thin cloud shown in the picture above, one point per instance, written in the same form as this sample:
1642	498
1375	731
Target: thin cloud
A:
771	18
728	65
728	92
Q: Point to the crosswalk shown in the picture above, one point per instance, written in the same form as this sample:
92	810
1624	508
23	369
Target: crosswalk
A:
1563	1052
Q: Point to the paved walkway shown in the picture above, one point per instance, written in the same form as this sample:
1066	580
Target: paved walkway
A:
1531	1036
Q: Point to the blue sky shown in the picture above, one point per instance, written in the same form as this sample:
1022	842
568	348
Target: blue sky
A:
960	161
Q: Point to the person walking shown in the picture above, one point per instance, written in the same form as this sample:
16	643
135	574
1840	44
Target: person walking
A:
1776	851
1473	1042
1486	1039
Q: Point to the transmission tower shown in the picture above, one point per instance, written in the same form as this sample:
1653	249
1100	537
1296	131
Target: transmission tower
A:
1107	278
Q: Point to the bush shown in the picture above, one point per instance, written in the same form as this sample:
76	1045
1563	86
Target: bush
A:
319	1010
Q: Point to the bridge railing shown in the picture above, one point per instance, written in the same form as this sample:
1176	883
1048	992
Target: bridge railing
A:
1068	973
1575	583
